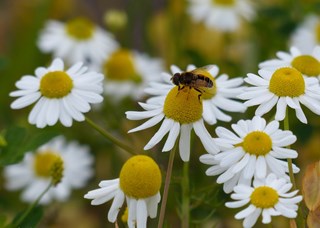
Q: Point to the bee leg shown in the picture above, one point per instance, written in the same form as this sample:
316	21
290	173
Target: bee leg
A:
179	88
200	93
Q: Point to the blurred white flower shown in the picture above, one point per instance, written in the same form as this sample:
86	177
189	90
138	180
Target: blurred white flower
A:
224	15
254	151
268	197
78	40
139	185
59	94
33	174
127	73
307	35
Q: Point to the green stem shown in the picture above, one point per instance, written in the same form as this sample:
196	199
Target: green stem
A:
287	127
185	196
110	137
166	187
300	220
31	207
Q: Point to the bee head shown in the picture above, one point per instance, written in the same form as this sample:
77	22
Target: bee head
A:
175	78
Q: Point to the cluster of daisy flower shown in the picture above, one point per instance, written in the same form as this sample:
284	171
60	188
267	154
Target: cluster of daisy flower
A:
249	160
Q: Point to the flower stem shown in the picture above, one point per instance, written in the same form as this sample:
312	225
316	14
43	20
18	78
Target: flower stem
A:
31	207
185	196
166	187
289	160
110	137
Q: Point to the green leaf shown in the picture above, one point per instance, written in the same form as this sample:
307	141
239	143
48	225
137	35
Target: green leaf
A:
13	152
19	141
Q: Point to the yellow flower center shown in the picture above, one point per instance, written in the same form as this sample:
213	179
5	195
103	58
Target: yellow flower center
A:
120	67
264	197
257	143
45	164
307	65
56	84
287	81
184	105
140	177
224	2
318	32
80	28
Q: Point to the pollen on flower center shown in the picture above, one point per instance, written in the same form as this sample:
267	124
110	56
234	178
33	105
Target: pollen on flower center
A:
80	28
224	2
264	197
287	81
257	143
56	84
140	177
184	105
307	65
44	162
120	67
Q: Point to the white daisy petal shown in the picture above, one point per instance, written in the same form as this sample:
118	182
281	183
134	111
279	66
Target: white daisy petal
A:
116	205
184	142
141	213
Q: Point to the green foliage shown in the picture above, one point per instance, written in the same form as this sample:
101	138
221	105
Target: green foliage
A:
19	141
31	220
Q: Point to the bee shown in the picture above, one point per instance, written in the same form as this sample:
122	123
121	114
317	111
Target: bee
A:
195	79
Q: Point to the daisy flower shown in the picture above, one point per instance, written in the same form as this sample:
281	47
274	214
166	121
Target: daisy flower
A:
268	197
181	110
221	98
139	184
59	94
33	174
254	150
282	87
308	65
78	40
128	72
307	35
224	15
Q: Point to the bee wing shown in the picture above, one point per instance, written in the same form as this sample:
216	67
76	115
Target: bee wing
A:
207	68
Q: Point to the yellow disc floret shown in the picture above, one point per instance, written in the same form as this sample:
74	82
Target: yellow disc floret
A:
287	81
257	143
224	2
57	171
44	163
307	65
184	105
140	177
56	84
80	28
264	197
120	67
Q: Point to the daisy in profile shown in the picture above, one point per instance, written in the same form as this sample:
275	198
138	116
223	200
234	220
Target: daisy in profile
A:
78	40
34	173
282	87
268	197
223	96
181	110
254	150
59	94
224	15
307	35
307	64
139	184
128	72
